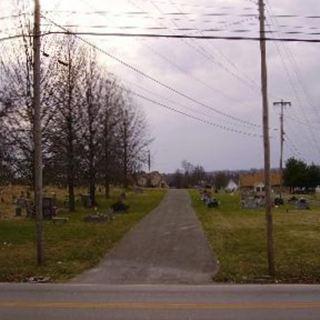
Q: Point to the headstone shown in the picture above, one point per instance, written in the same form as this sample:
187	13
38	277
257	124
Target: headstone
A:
252	202
97	218
86	201
302	204
119	207
30	209
278	201
48	207
18	212
21	202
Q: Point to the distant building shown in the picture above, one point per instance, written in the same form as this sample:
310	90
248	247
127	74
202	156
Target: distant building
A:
231	186
153	179
252	188
142	180
255	181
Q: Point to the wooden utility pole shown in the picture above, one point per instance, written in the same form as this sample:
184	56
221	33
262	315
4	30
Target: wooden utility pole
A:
266	140
37	134
282	105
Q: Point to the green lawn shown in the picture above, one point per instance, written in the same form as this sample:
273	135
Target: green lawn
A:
70	248
238	239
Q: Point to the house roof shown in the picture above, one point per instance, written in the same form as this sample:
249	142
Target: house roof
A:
231	184
251	179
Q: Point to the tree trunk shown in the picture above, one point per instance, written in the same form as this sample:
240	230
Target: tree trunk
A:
92	190
92	174
71	202
70	174
70	151
125	152
106	158
92	171
107	186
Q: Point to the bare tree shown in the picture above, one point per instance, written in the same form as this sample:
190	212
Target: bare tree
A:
89	120
65	137
16	80
92	113
111	105
133	140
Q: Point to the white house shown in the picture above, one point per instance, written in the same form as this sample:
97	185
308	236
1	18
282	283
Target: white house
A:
231	186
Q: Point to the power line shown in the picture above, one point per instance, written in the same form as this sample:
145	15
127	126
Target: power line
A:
200	49
166	59
295	151
244	122
291	58
217	125
183	36
147	76
245	80
201	31
17	36
180	13
199	80
13	16
167	99
168	36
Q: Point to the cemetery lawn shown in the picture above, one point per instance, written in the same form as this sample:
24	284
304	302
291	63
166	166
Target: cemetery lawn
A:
72	247
237	237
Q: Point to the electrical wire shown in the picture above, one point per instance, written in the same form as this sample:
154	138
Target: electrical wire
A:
291	82
147	76
216	125
168	60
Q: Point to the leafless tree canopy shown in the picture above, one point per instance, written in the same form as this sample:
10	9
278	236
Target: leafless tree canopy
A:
93	132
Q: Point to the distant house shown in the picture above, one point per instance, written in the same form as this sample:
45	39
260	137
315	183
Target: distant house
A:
231	186
252	188
254	182
153	179
142	180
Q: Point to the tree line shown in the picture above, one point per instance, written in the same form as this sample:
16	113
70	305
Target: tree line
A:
298	175
191	175
93	131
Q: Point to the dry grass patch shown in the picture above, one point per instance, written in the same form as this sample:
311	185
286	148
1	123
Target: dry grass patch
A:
72	247
238	239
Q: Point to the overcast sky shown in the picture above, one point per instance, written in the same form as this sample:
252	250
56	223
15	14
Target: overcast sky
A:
223	75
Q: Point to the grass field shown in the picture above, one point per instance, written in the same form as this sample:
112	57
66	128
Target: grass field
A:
69	248
238	239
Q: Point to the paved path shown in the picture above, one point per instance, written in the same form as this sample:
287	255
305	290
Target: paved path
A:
167	247
158	302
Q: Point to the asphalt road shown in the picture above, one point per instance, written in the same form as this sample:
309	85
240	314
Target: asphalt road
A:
167	247
158	302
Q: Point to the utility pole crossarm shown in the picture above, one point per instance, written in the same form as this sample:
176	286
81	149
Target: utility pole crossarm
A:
282	103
